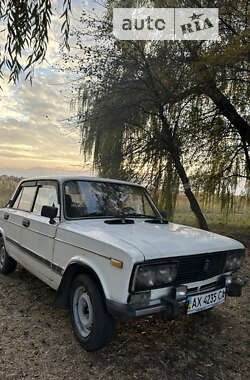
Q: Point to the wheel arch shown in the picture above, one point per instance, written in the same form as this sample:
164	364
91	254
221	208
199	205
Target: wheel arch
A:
63	292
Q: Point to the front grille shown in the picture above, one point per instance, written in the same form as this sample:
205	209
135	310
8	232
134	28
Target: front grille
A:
208	287
200	267
192	268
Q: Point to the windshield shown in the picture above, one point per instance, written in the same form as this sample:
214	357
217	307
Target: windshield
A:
106	199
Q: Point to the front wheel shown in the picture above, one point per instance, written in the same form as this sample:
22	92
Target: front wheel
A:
92	325
7	264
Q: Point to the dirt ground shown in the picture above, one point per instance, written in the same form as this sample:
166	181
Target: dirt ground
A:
36	340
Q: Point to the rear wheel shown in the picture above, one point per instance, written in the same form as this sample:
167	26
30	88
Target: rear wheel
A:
92	325
7	264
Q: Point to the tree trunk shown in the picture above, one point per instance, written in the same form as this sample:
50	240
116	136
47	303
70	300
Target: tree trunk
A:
228	110
208	87
169	141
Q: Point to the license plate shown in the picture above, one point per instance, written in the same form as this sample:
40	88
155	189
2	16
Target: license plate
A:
205	301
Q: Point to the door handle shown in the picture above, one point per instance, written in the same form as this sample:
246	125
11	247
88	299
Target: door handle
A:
26	223
6	216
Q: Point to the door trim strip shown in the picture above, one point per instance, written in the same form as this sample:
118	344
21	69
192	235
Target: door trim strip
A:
56	268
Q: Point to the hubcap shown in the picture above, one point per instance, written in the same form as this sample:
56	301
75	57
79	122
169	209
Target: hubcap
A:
83	311
2	256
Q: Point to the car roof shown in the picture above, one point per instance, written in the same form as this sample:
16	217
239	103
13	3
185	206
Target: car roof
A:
63	179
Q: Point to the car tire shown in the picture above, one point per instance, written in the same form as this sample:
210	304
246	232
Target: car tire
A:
93	326
7	264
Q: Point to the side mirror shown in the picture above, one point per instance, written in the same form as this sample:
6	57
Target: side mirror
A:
50	212
163	214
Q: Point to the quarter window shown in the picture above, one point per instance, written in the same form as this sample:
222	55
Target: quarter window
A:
26	198
47	196
17	201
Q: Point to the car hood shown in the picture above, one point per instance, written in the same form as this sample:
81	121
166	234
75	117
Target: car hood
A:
152	240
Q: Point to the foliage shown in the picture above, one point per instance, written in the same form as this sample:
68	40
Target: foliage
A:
139	99
26	24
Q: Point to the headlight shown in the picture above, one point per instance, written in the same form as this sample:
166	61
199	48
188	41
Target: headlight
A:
154	276
233	261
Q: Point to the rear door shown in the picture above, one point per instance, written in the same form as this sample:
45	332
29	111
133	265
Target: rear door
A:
37	236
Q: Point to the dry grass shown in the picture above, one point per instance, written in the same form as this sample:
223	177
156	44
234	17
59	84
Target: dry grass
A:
236	223
7	187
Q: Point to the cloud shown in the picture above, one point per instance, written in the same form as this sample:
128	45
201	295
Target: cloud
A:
32	134
31	128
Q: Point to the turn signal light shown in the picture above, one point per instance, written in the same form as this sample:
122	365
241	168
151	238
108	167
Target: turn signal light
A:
116	263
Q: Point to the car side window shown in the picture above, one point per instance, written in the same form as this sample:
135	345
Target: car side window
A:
46	196
26	198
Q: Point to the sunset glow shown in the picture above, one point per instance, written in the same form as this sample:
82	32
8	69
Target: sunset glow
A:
33	138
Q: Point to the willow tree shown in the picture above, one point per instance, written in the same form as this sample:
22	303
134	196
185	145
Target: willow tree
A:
129	98
132	87
218	69
124	134
25	26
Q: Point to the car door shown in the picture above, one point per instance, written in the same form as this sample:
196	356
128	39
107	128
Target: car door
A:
37	235
11	218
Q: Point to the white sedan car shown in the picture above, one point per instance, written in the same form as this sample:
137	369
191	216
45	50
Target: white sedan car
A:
108	252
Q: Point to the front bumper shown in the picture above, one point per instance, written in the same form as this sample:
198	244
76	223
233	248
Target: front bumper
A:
172	306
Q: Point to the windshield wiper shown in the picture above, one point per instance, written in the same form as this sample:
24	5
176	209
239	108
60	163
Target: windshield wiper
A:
119	219
153	219
135	214
157	220
124	218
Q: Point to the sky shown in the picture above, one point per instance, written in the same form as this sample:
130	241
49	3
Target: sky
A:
35	139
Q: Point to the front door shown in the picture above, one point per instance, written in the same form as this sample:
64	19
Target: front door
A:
37	236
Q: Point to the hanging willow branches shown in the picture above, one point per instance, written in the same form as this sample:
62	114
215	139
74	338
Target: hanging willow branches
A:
24	28
163	111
